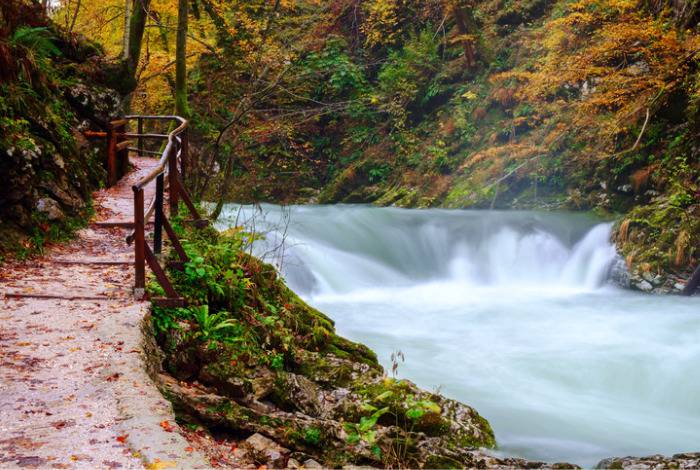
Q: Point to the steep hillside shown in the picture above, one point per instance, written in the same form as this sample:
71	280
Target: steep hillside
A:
554	104
52	86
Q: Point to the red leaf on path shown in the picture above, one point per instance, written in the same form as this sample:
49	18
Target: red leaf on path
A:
61	424
189	449
167	426
122	439
113	377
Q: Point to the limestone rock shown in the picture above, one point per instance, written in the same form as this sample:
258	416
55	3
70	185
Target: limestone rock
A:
63	192
619	273
263	383
644	286
653	462
300	392
274	454
50	208
312	464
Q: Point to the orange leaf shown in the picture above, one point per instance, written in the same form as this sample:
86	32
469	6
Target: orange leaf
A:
167	426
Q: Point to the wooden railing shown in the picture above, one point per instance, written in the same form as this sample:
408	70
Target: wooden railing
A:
169	172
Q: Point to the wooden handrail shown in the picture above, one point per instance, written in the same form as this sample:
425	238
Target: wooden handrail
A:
168	172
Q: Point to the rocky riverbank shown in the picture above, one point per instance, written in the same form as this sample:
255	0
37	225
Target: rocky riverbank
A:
249	358
647	281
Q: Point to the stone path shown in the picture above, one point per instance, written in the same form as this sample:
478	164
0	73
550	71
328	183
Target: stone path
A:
74	392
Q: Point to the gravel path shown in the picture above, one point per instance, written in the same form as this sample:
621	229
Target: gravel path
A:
73	388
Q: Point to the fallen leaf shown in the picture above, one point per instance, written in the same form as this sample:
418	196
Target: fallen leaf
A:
157	464
167	426
122	438
62	424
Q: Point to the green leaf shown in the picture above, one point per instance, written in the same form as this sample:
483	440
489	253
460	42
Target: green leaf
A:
384	396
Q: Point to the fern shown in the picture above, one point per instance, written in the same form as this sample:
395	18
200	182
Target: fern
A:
38	41
212	324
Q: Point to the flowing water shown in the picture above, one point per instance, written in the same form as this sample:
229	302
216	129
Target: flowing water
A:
509	312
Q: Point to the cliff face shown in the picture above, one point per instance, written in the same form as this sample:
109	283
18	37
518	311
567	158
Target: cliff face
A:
52	86
545	104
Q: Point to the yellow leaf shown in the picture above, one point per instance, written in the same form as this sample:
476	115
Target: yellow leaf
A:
157	464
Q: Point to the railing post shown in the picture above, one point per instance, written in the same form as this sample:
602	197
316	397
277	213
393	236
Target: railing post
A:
172	177
111	155
139	245
140	139
122	153
184	153
158	232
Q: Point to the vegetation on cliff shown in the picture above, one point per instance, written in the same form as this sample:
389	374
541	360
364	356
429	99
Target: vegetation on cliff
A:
52	86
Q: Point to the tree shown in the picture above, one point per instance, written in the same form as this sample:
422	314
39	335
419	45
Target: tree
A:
127	24
462	11
137	25
181	106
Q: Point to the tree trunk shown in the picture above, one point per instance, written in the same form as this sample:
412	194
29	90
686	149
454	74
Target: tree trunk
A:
75	17
127	24
462	14
181	106
137	25
223	34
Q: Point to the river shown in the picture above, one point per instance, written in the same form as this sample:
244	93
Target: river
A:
509	312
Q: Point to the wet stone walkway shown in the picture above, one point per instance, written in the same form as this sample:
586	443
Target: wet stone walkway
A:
74	392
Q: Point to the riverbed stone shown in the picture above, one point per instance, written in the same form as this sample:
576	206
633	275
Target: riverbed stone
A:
654	462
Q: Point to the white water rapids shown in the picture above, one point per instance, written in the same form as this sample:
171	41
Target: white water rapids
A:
508	312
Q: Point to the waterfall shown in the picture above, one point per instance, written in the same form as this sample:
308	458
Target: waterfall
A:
344	248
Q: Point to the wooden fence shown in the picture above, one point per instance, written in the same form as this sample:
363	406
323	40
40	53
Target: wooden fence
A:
169	173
